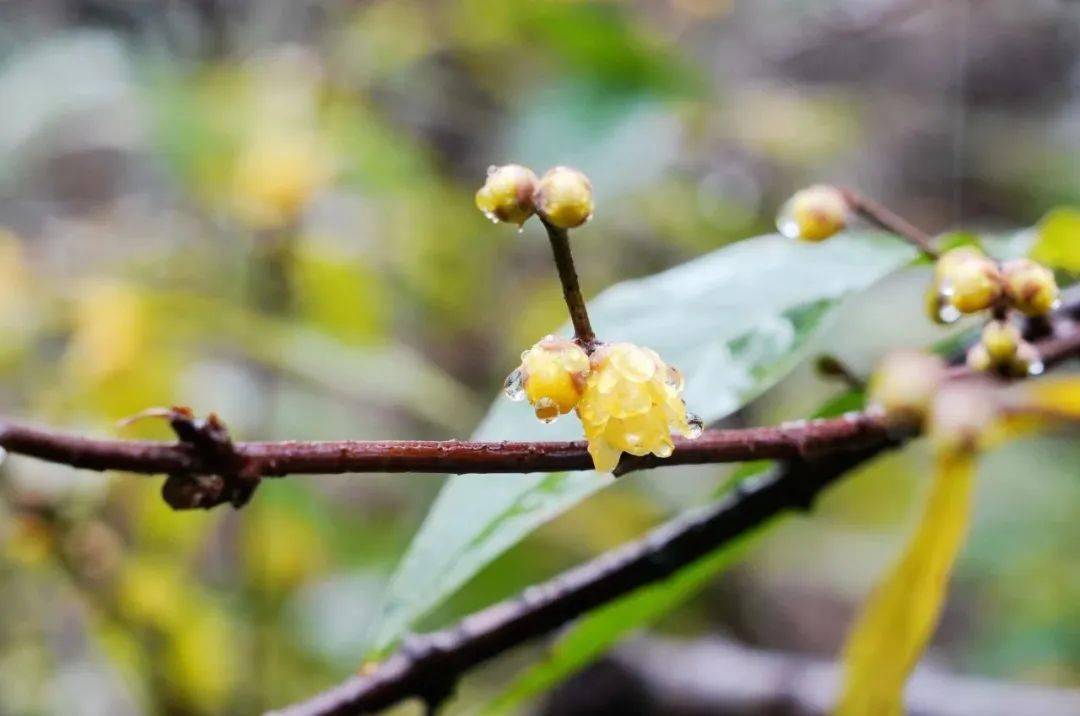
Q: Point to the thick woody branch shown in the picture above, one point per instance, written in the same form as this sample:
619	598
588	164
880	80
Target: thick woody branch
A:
275	459
204	447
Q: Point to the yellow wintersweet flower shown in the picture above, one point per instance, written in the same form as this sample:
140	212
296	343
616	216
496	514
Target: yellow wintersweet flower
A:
632	403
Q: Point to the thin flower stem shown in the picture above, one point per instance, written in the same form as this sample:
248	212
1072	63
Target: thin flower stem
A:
884	218
575	302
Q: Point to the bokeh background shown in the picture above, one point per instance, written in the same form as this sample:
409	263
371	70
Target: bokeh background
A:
265	209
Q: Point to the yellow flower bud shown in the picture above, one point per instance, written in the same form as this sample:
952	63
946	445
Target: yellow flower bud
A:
1030	287
507	194
813	214
970	281
632	403
552	377
1001	339
952	258
904	385
564	197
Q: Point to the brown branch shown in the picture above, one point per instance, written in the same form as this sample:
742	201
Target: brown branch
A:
276	459
882	217
428	666
575	302
204	447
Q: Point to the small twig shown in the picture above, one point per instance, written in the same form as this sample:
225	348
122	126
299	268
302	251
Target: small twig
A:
575	302
882	217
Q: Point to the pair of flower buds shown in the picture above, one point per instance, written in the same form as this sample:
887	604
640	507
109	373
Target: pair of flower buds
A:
967	281
512	193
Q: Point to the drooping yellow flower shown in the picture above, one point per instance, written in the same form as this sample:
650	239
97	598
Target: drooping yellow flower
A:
632	403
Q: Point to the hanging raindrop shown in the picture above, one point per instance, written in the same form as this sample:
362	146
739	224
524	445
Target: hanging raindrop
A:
547	410
697	426
514	386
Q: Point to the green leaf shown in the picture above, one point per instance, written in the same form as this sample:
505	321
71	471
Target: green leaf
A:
596	632
1057	240
734	321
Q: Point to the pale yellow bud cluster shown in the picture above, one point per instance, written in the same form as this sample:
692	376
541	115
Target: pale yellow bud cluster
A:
512	193
968	281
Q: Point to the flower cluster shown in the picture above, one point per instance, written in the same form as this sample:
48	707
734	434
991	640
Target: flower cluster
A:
968	281
512	193
627	398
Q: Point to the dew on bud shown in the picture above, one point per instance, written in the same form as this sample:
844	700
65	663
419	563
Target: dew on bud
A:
697	426
514	386
948	313
547	410
673	379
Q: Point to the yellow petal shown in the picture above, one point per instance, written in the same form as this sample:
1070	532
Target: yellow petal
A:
901	614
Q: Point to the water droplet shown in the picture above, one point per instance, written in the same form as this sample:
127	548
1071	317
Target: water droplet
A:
948	313
492	169
664	450
521	228
491	217
1056	304
697	426
514	386
786	223
674	379
1036	367
547	410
